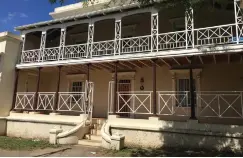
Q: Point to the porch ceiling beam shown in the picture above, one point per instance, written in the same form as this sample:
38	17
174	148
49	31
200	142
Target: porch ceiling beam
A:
72	68
143	63
125	65
165	62
176	61
215	60
102	67
201	60
96	67
113	64
189	62
155	63
106	66
134	64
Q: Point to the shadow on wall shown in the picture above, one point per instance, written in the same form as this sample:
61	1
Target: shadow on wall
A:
209	137
185	139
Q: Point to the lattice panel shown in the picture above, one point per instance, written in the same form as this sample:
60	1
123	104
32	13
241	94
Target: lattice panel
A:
104	48
136	44
117	36
90	40
154	32
189	28
75	51
173	40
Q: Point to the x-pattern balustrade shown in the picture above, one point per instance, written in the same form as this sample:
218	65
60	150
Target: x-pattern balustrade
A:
220	104
217	35
135	102
173	103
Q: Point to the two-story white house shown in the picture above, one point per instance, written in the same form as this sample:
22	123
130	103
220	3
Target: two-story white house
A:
161	77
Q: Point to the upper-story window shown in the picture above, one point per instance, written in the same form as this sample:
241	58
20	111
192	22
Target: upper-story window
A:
178	24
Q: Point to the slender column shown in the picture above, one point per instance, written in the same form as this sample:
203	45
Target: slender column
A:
62	43
15	87
42	46
189	22
117	36
37	89
115	89
90	40
154	31
192	93
23	37
154	88
238	20
58	89
88	74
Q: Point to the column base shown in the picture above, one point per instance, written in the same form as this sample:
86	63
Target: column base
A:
154	118
54	114
113	116
34	112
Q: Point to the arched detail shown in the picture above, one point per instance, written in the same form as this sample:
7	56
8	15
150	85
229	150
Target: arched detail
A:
32	40
136	25
100	26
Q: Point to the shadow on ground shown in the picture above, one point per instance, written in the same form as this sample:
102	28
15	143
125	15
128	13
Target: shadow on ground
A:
175	152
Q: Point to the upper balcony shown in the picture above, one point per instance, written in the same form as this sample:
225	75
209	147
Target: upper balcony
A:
139	33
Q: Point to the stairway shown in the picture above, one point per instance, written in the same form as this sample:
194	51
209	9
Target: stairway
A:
94	137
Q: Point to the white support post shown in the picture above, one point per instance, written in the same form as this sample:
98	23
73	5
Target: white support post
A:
90	40
154	31
62	44
23	37
189	25
42	46
117	37
238	20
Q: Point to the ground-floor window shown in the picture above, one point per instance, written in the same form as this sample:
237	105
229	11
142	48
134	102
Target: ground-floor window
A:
183	85
76	86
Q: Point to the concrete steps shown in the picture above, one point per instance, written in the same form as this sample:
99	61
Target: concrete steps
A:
94	137
88	142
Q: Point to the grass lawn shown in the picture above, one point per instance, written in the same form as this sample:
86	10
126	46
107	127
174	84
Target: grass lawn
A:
172	152
9	143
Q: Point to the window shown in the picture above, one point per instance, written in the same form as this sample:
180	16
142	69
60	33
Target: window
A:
178	24
77	86
183	85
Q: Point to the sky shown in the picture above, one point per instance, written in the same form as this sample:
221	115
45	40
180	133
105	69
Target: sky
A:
21	12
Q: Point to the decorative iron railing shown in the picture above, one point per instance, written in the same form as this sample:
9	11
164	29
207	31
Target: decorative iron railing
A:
25	101
172	40
103	48
136	44
30	56
74	52
216	35
46	101
223	34
173	103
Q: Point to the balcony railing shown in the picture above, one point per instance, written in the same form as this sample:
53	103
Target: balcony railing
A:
217	35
